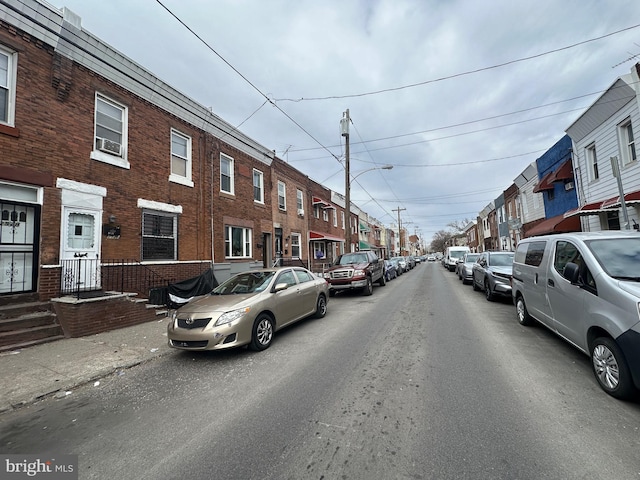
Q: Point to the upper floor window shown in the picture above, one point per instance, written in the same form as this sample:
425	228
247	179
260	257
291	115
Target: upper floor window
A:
159	236
282	196
628	146
342	219
300	202
226	174
180	158
335	217
592	162
110	132
258	186
325	215
7	85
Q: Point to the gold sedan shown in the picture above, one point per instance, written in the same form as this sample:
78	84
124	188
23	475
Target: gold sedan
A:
248	309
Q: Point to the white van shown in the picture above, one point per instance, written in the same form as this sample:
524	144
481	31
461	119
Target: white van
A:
452	255
585	287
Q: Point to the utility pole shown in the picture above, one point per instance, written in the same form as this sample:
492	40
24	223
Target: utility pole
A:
399	228
344	129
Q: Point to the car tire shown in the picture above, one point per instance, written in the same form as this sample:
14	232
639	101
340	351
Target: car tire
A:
382	282
610	368
368	288
487	291
524	318
321	307
262	333
332	293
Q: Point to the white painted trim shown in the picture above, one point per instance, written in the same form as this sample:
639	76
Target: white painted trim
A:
81	187
159	206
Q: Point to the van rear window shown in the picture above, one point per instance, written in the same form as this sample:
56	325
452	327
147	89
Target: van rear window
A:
530	253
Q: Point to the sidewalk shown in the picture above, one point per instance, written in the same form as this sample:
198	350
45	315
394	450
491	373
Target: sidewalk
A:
32	373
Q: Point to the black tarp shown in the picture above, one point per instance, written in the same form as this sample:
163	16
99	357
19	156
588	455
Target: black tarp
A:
181	292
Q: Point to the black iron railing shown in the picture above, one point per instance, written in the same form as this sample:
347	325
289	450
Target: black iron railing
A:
82	276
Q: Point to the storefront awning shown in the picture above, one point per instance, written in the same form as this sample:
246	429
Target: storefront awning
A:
364	228
557	224
588	209
365	246
324	236
544	184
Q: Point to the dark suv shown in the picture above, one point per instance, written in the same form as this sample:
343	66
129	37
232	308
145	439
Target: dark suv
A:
357	270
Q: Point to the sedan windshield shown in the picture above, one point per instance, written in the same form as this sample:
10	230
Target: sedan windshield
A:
249	282
618	257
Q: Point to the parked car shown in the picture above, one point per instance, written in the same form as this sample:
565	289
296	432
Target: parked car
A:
431	258
401	264
492	273
411	262
247	309
390	271
464	268
452	254
357	270
585	287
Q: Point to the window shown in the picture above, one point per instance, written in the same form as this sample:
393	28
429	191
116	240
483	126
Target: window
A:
237	242
7	85
316	211
295	245
303	275
159	236
335	217
628	146
226	174
300	202
551	194
325	214
180	158
592	162
613	220
258	186
282	196
342	219
110	127
319	251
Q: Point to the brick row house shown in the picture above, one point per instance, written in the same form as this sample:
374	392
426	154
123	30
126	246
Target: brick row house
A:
107	175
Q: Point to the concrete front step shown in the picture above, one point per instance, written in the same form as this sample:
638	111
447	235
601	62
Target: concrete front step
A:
11	340
27	320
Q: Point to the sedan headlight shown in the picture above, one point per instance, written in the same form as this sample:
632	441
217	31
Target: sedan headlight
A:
231	316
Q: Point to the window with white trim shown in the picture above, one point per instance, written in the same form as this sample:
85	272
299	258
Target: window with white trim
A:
159	235
180	158
342	219
300	202
8	60
258	186
628	146
295	245
325	215
110	138
237	242
592	162
335	217
226	174
282	196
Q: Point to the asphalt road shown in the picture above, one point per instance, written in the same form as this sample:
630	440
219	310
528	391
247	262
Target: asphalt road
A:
424	379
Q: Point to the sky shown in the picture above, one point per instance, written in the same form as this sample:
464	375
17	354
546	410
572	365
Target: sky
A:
459	96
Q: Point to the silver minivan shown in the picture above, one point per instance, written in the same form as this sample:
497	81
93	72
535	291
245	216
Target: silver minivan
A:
585	287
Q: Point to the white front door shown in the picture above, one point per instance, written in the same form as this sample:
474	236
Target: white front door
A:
80	249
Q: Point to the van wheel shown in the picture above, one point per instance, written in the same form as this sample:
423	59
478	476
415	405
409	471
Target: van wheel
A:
523	315
487	291
368	288
610	368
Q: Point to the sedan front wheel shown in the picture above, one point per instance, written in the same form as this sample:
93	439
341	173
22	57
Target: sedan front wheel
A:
262	333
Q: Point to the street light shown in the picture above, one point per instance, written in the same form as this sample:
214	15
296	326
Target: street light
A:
347	206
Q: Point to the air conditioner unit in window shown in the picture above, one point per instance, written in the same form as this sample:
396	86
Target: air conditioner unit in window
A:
301	212
569	186
109	146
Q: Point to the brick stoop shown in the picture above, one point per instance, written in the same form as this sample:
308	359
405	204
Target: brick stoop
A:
25	322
